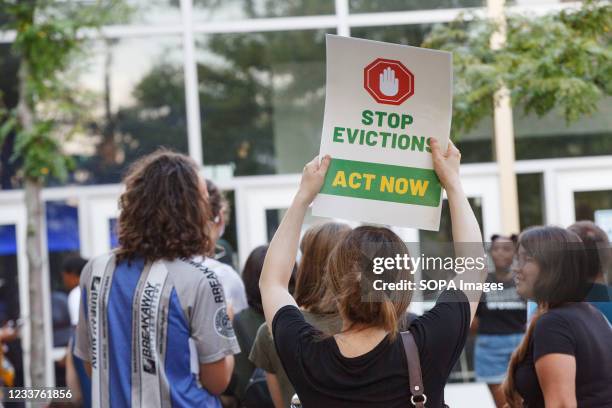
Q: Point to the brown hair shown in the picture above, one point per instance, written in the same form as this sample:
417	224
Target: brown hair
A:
561	258
164	209
217	201
316	246
250	276
511	237
597	246
351	279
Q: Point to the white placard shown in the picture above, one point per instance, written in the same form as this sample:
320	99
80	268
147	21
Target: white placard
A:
383	103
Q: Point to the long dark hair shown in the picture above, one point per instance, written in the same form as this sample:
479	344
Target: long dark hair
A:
563	278
250	276
164	210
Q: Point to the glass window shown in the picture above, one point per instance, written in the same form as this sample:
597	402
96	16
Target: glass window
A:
133	99
62	226
596	206
5	18
9	96
274	217
151	12
114	12
262	98
444	234
273	220
63	243
8	243
534	2
412	34
477	145
9	299
587	202
531	199
550	136
372	6
243	9
226	250
9	294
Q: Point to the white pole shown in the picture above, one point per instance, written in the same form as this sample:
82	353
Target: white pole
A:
342	12
47	318
504	134
194	130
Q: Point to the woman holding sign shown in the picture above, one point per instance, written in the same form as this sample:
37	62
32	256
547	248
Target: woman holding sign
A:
365	365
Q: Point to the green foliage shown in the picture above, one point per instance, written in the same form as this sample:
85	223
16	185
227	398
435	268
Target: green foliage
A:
49	36
558	61
476	75
37	147
39	151
263	77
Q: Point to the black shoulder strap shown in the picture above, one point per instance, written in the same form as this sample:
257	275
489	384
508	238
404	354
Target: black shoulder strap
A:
418	397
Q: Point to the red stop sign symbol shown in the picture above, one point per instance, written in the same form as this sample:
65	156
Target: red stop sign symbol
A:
388	81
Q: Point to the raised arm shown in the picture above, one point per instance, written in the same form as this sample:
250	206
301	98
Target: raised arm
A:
274	280
467	237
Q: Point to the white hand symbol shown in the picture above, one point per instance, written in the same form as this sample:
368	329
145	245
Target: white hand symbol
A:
389	84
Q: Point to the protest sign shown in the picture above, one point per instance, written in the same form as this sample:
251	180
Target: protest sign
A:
383	102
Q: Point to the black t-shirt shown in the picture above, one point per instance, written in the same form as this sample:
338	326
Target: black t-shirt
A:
577	329
323	377
501	311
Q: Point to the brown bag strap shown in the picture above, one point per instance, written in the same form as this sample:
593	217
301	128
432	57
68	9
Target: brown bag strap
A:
417	390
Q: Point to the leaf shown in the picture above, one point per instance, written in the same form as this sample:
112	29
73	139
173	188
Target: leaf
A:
561	60
9	124
48	47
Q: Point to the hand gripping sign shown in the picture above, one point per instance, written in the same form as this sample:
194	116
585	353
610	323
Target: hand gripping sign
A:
383	104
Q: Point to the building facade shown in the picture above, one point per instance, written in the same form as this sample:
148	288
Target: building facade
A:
239	85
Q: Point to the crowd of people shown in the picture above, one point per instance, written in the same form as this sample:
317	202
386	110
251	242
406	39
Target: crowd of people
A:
166	320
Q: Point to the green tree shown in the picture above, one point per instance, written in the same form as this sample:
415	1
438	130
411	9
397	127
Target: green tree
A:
560	61
157	118
48	37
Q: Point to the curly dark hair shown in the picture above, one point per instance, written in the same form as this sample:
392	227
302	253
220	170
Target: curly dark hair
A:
164	210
